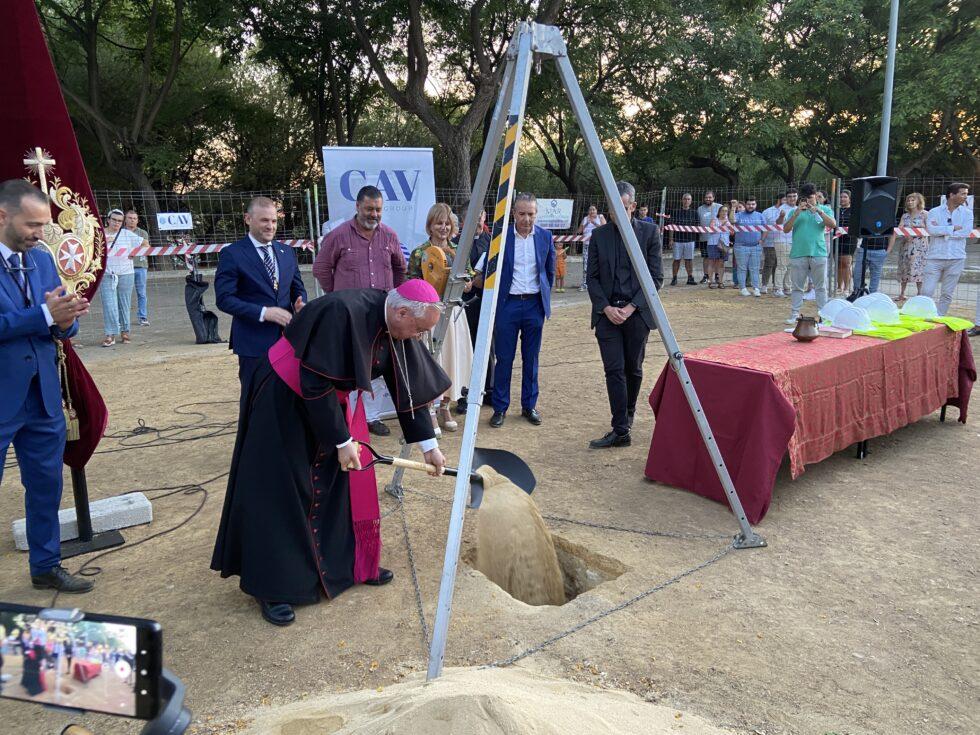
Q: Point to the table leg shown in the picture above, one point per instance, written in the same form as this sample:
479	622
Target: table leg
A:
942	414
862	449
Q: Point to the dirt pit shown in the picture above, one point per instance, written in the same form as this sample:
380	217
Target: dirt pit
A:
581	568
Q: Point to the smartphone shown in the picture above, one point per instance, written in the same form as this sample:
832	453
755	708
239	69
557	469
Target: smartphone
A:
83	661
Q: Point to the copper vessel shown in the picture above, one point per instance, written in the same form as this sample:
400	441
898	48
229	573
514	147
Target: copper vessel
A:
806	329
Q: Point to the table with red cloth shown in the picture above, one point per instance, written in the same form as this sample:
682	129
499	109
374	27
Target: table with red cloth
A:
85	671
768	396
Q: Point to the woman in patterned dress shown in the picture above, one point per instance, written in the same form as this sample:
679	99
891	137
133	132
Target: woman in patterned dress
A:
912	250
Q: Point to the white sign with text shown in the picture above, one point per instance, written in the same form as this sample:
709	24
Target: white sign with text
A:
554	214
404	175
175	220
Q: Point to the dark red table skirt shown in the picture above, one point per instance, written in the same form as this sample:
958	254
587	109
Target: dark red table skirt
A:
783	397
85	671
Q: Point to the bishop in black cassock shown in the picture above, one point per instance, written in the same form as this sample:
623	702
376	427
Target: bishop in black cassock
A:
296	523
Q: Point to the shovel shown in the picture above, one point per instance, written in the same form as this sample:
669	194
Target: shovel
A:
503	462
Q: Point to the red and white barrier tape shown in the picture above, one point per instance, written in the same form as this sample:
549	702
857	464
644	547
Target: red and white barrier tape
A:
900	231
195	249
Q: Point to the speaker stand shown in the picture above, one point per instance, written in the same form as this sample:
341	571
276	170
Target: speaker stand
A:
87	542
861	289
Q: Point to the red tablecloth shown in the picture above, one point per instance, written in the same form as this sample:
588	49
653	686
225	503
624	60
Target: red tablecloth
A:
770	395
85	671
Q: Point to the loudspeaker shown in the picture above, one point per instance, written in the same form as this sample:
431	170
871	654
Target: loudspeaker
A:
874	206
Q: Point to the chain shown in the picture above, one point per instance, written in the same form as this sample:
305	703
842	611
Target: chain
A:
595	618
641	531
601	526
415	579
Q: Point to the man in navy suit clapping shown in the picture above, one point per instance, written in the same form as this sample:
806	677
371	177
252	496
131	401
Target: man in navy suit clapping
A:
258	282
35	311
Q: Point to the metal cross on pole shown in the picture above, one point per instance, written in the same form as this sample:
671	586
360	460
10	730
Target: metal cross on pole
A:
544	41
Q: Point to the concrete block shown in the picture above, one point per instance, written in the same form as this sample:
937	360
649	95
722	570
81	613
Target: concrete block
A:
123	511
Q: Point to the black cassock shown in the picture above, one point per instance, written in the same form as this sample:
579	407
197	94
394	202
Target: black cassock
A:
286	528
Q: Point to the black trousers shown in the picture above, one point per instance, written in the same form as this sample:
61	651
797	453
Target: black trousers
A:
472	309
622	347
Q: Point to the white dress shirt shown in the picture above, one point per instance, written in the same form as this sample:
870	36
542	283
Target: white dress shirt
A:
525	265
5	253
946	242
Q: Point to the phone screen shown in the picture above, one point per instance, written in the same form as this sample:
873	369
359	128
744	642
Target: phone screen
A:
101	663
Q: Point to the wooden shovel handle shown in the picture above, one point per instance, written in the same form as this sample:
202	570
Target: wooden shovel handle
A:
410	465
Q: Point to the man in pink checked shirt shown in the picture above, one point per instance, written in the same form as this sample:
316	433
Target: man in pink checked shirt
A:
362	253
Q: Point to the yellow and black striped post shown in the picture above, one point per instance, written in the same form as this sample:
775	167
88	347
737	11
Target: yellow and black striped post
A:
501	212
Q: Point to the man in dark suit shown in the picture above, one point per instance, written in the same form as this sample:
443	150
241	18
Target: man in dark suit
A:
35	311
473	299
621	316
524	302
258	282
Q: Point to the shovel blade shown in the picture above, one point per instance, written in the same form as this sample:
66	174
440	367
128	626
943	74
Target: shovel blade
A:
505	463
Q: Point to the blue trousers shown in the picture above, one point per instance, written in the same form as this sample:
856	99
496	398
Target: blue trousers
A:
117	301
876	262
517	316
140	281
748	259
39	441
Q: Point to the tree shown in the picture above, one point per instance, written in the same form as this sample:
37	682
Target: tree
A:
119	62
468	39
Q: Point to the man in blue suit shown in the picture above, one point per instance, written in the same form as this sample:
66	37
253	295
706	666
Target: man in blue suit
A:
258	282
35	310
524	302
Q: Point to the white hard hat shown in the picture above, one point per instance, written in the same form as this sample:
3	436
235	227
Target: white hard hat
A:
830	309
852	317
877	297
883	312
920	306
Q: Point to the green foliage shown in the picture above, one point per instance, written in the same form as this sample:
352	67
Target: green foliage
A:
735	91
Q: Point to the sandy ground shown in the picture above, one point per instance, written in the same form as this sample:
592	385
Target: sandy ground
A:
858	617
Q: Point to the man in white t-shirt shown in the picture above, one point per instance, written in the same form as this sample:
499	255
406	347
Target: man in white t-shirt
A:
949	226
592	220
116	290
783	242
769	262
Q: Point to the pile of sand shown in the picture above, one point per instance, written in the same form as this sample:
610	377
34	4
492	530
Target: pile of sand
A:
514	548
508	701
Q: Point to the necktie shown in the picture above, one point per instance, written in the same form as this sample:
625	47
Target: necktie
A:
15	270
270	266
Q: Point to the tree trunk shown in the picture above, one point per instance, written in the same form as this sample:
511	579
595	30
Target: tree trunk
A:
457	152
132	170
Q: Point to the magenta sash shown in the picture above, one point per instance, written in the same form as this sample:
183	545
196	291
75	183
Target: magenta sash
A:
365	511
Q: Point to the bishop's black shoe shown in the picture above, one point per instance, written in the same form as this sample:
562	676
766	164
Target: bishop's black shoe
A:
277	613
58	578
379	428
460	409
497	420
532	416
612	439
384	576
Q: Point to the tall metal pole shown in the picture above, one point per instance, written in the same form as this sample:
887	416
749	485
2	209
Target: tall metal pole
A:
498	243
886	103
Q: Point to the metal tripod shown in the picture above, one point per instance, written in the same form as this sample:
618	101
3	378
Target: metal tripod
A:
530	44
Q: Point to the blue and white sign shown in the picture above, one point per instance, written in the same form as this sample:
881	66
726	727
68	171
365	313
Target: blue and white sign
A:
554	214
404	176
175	221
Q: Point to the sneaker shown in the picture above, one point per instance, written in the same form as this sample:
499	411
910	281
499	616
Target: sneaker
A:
745	292
582	287
673	281
792	319
691	281
756	292
765	289
779	293
144	322
704	278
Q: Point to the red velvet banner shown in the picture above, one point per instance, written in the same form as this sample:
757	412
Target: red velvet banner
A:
33	115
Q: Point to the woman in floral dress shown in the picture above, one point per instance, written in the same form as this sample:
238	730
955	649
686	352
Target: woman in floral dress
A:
911	250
